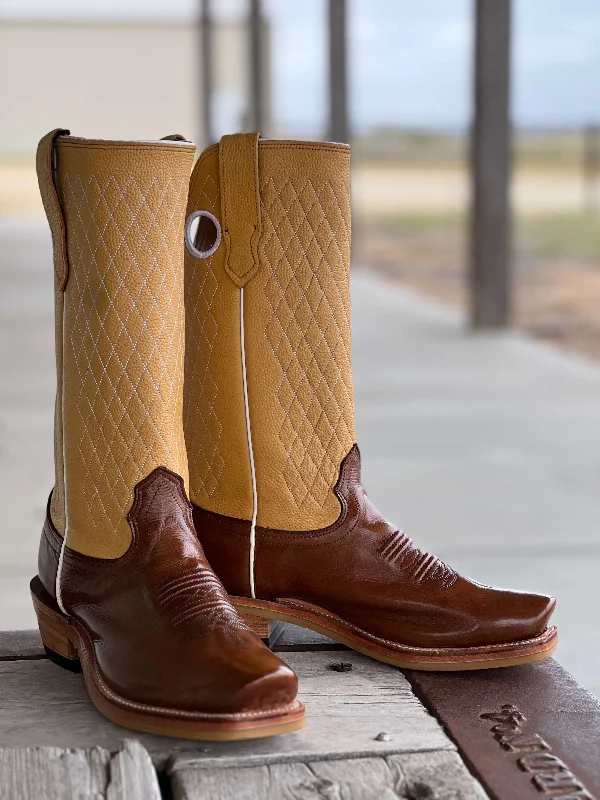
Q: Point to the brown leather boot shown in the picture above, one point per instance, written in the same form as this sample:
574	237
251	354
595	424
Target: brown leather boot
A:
124	588
269	424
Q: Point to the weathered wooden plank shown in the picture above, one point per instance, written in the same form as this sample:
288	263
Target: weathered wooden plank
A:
132	775
42	705
20	645
345	713
440	775
437	774
53	773
244	783
283	637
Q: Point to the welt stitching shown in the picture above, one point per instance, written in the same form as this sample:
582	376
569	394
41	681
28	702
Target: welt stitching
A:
342	150
87	145
256	193
108	693
480	649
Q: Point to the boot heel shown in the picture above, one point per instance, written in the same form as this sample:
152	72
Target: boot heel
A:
260	625
54	631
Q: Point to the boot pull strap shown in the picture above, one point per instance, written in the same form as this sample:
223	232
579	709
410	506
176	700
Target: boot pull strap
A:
240	205
46	166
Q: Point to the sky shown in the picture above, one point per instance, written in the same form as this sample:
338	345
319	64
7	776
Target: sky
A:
410	63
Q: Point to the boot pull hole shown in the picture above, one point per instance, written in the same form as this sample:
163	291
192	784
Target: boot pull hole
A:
202	234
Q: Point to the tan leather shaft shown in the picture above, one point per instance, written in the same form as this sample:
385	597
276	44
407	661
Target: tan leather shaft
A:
45	162
297	345
46	165
240	205
123	206
214	418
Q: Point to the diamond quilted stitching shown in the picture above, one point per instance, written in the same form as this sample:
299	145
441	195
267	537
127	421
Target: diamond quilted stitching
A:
126	335
202	422
304	233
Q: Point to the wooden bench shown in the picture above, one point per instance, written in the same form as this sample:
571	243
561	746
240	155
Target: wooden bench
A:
372	732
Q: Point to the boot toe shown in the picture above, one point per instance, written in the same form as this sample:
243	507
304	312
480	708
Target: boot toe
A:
272	690
536	612
514	616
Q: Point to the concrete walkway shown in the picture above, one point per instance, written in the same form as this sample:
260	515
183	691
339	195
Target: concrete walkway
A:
485	449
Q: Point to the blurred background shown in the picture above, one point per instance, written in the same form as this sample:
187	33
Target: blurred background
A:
475	127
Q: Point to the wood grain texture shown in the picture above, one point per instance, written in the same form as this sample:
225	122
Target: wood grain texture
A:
20	645
438	775
283	636
337	756
132	775
53	773
345	713
42	705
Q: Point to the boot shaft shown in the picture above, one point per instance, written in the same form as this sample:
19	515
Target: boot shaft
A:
268	410
116	210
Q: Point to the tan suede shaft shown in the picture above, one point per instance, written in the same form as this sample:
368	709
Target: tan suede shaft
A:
297	344
214	418
44	166
240	205
122	329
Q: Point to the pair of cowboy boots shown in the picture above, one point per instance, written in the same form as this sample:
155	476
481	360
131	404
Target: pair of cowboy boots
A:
254	310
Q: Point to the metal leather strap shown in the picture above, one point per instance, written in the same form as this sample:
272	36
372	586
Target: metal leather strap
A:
45	166
240	205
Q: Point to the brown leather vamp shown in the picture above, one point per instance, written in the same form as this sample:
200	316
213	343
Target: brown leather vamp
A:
163	630
370	574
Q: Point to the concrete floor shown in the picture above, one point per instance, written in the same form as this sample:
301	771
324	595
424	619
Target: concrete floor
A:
483	448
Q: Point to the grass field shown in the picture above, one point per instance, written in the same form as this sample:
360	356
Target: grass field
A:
556	268
559	235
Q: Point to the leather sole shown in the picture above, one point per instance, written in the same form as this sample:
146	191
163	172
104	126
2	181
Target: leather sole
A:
68	644
440	659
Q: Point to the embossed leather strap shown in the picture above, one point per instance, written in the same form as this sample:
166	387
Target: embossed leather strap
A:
527	732
46	153
240	205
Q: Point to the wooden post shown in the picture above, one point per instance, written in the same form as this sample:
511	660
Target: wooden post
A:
338	72
490	267
206	57
257	78
591	168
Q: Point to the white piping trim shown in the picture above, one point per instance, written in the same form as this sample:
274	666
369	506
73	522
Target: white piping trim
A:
59	571
62	412
250	450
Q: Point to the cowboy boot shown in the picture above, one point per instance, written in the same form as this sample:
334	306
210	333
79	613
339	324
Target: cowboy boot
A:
269	426
124	590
